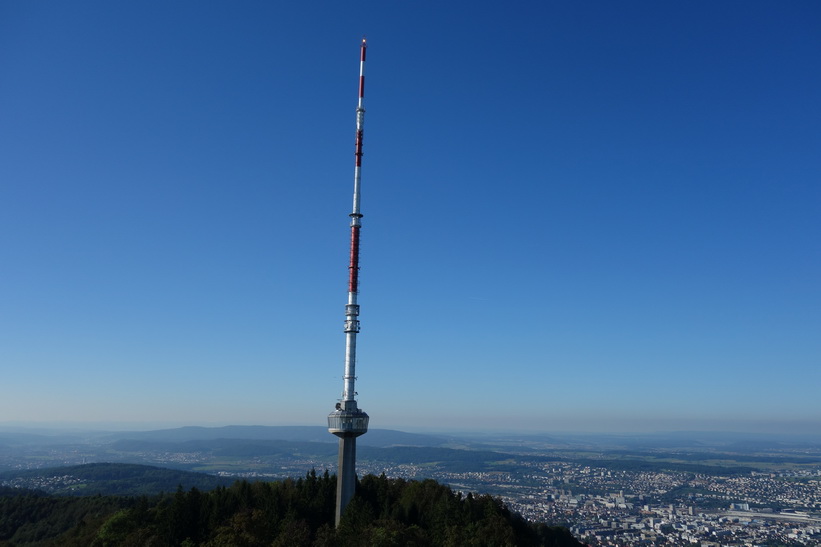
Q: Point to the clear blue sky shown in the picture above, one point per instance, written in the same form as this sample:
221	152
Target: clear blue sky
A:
597	216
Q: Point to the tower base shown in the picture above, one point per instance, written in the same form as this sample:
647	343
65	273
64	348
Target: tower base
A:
347	422
346	475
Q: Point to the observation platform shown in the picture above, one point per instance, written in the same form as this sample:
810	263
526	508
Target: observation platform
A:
348	423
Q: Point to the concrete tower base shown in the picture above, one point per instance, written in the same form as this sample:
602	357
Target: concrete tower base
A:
346	477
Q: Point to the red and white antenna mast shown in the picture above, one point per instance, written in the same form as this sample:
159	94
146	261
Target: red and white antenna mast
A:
352	309
348	422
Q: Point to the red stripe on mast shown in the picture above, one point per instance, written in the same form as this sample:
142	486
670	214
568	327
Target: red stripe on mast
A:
358	152
353	269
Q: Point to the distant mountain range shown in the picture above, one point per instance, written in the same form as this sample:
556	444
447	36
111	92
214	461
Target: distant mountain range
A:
317	434
313	434
16	435
286	450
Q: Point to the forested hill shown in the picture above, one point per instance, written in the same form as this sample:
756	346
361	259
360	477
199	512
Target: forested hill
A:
293	513
120	479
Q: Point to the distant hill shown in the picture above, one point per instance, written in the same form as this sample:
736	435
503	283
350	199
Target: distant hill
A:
120	479
317	434
231	447
17	438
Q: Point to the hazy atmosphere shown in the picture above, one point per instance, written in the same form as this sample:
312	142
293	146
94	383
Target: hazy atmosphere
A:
592	216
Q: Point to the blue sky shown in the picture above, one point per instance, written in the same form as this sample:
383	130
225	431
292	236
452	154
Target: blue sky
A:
598	216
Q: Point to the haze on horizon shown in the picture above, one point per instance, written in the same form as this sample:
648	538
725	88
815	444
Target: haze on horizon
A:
796	430
578	217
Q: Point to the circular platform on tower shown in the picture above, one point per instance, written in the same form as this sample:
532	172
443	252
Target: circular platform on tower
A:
348	423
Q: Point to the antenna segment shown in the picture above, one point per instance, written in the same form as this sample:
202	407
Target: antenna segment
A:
348	422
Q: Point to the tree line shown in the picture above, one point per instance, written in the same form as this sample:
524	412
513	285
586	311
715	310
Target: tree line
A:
294	513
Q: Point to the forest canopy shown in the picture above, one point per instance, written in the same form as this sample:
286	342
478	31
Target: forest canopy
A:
294	513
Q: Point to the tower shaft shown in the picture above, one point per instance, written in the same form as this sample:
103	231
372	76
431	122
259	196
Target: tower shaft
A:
348	422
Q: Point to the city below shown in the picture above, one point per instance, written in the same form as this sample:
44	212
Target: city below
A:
678	489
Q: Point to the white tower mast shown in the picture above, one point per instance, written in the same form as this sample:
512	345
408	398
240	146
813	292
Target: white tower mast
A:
348	422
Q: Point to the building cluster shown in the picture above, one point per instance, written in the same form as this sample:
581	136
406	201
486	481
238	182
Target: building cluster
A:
50	483
627	508
611	521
